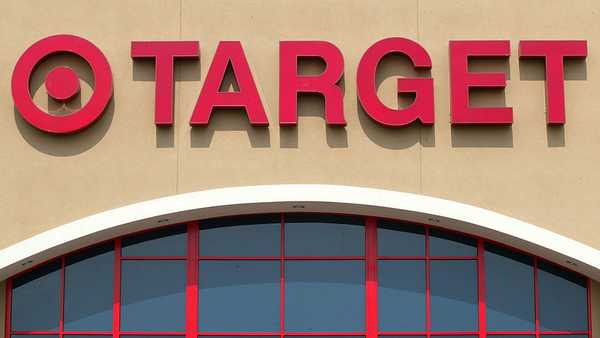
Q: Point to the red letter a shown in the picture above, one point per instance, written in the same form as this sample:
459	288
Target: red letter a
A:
247	97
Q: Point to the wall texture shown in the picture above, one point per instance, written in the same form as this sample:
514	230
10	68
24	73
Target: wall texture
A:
546	176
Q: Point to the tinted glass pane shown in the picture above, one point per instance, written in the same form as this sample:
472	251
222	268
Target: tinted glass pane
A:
168	241
310	235
563	336
241	236
153	296
454	296
89	290
88	336
386	336
324	296
562	299
400	239
509	290
443	243
36	299
509	336
401	295
239	296
33	336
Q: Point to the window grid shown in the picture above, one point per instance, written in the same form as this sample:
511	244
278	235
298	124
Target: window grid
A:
371	258
282	258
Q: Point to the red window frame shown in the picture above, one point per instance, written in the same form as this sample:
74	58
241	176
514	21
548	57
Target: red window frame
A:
370	258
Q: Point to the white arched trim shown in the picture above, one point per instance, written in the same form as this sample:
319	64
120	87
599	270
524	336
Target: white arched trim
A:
303	198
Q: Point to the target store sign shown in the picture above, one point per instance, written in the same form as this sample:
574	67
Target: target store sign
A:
62	83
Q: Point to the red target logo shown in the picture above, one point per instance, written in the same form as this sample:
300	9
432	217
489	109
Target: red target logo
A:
62	84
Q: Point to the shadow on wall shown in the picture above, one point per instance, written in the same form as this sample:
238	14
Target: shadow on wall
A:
494	136
313	105
309	105
184	70
390	68
497	136
222	119
229	120
535	70
502	136
64	145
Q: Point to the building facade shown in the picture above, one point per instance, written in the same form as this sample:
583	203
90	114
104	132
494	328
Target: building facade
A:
306	168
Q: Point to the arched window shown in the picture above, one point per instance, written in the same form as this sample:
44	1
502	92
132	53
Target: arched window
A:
307	275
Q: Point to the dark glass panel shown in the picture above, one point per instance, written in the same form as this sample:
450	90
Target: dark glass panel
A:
454	296
167	241
510	303
239	296
323	296
33	336
509	336
442	243
153	296
241	236
89	281
401	296
562	299
36	299
322	235
400	239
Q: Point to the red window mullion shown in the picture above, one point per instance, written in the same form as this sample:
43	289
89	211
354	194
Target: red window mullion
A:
191	290
240	334
535	297
371	291
282	278
61	327
563	333
427	286
46	333
481	288
321	334
371	278
154	258
155	333
8	308
455	333
589	307
433	258
87	333
117	291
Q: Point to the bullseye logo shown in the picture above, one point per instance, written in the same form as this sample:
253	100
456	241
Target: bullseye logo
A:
62	84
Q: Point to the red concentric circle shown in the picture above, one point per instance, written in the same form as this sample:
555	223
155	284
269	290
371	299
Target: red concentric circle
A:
65	123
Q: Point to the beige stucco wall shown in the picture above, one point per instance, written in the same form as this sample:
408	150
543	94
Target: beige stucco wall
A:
546	176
